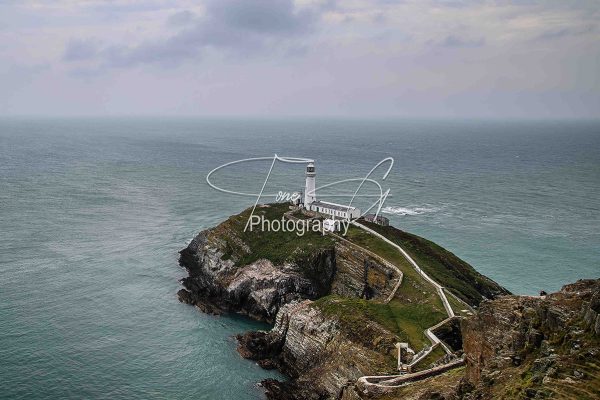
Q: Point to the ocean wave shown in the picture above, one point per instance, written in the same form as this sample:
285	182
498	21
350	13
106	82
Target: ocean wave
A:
409	210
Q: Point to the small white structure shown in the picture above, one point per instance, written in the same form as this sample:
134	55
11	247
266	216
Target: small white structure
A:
296	199
377	219
330	225
403	348
324	207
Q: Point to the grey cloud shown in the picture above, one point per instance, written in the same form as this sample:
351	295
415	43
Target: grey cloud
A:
168	53
85	73
80	50
261	16
379	18
115	8
560	33
28	70
181	18
242	27
455	41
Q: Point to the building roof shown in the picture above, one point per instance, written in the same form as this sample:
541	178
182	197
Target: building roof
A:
332	206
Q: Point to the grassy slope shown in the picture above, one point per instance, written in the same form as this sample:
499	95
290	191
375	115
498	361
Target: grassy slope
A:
443	266
415	307
405	321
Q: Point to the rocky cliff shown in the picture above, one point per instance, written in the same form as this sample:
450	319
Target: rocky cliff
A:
257	289
535	347
339	305
316	352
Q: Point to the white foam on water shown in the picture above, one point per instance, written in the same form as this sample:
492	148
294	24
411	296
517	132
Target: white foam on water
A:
409	210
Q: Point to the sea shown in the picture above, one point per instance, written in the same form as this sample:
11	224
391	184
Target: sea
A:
93	212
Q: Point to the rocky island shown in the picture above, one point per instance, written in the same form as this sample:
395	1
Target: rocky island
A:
382	314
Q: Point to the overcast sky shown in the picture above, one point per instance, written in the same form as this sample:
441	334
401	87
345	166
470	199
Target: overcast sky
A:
407	58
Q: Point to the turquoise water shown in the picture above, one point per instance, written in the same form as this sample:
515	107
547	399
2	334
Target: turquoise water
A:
94	211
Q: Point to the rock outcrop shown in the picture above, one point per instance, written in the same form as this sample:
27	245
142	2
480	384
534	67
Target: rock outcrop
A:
521	347
316	352
591	314
536	347
258	289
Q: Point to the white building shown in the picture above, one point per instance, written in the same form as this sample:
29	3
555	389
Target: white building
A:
324	207
333	209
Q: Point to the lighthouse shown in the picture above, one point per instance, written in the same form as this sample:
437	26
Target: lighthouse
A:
324	208
309	188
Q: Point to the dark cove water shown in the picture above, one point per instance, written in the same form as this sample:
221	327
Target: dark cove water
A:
93	212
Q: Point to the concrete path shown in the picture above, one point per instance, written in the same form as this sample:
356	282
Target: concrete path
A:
392	381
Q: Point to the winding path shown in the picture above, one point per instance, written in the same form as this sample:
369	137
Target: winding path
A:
396	380
392	381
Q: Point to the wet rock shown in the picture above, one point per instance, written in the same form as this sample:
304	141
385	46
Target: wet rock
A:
185	297
258	289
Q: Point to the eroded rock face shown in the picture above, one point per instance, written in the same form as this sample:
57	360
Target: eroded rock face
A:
309	347
314	351
258	289
532	343
296	342
360	275
591	314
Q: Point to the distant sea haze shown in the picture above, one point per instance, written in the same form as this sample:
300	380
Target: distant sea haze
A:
94	211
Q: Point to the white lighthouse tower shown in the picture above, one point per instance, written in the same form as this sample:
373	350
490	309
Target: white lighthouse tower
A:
309	188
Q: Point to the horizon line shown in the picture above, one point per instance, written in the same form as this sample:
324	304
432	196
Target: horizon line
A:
298	117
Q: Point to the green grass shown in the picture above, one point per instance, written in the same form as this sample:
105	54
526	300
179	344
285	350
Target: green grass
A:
413	319
442	265
437	353
457	306
354	311
277	246
407	321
